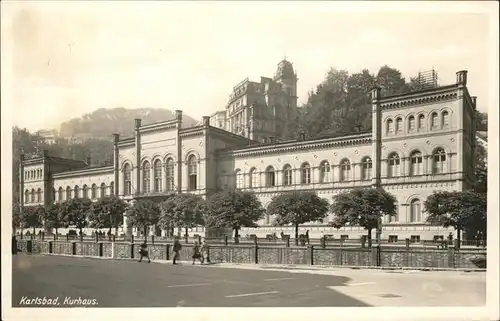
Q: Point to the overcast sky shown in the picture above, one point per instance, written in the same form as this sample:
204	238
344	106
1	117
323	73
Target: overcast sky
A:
70	58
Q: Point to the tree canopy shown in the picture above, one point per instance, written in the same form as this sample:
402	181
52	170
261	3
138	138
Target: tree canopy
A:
108	213
56	217
77	210
362	207
297	207
32	217
461	210
143	214
233	209
181	210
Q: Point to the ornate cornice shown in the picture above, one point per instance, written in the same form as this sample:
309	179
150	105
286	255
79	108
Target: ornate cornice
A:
441	94
86	171
297	146
156	127
192	131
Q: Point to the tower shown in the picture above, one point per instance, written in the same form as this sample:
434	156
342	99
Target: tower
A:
286	107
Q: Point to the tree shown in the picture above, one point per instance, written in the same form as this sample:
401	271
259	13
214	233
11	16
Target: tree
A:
481	170
462	210
55	217
182	211
142	214
16	218
108	213
362	207
391	81
77	211
297	208
32	217
233	209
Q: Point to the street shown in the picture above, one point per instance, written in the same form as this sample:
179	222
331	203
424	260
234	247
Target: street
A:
77	282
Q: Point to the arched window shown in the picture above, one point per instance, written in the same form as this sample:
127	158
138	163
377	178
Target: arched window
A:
111	188
399	125
421	122
26	196
268	219
169	173
53	195
33	195
103	190
390	126
434	120
240	179
411	124
68	193
445	119
192	173
396	217
76	192
287	175
253	178
416	164
394	165
85	191
305	171
157	175
439	161
60	194
345	170
146	177
127	180
94	191
415	211
324	172
270	177
366	166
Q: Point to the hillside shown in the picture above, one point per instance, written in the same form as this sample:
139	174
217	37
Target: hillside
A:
102	122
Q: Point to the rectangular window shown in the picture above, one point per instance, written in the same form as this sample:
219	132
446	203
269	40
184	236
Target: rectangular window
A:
415	239
393	238
344	237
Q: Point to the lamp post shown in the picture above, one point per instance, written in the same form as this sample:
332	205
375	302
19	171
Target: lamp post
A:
379	225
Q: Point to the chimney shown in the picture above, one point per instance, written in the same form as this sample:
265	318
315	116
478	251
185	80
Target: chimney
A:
462	77
106	163
206	121
89	159
376	93
45	153
358	128
137	123
116	138
474	102
178	115
302	135
271	140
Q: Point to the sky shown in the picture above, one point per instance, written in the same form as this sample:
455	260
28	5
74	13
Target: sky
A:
68	59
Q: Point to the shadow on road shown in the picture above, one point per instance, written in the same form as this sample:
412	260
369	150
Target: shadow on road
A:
79	282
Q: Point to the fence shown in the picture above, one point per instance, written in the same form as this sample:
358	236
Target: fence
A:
285	242
402	257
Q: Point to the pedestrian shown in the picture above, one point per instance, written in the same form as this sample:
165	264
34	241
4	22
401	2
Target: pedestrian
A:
196	252
176	249
144	252
204	252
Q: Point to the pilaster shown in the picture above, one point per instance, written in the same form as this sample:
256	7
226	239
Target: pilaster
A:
116	164
137	156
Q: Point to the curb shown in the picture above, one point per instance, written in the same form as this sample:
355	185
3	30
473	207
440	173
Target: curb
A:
284	267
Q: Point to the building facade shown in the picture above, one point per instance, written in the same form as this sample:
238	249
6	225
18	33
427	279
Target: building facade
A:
261	111
420	142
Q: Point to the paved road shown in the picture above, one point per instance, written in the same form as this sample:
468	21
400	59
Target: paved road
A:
133	284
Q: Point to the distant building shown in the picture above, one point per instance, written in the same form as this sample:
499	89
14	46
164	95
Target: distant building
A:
421	142
49	135
261	111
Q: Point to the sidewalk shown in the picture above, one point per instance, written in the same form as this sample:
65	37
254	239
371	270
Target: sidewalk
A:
290	267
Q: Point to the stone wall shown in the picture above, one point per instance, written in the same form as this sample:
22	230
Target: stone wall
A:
250	254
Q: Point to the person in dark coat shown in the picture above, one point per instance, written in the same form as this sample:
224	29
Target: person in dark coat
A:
144	252
197	253
176	249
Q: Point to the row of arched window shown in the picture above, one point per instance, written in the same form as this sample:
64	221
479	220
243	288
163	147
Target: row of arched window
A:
162	178
417	124
33	174
417	164
305	174
92	192
33	196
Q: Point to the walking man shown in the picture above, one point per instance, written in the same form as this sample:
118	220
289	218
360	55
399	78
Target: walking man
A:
196	253
176	249
204	252
144	252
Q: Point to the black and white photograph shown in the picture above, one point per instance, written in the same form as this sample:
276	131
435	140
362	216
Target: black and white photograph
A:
188	155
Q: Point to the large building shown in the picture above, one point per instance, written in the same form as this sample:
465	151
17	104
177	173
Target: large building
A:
261	111
421	142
